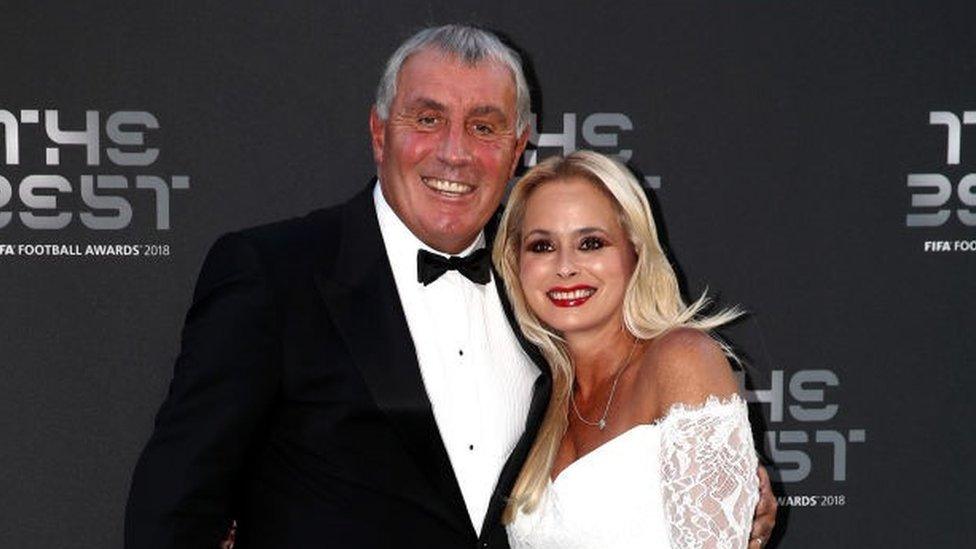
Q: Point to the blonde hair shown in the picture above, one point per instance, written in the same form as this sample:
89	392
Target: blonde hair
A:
652	302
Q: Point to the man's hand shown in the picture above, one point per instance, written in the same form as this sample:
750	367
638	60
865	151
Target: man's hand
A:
228	542
765	517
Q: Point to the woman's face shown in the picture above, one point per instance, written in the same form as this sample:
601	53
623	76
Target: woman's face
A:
575	259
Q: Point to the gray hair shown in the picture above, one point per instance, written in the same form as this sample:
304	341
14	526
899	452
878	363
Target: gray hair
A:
469	44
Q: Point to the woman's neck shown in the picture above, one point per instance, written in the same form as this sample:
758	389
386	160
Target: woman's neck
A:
598	356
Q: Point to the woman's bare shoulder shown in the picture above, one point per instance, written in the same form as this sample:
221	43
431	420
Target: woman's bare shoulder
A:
686	366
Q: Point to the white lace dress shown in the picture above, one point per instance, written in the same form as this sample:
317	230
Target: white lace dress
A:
687	481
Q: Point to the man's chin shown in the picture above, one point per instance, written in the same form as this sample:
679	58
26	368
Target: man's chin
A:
454	239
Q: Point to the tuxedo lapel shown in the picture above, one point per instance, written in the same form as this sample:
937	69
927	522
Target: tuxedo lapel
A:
361	296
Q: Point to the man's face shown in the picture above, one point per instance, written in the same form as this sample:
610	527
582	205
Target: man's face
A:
448	146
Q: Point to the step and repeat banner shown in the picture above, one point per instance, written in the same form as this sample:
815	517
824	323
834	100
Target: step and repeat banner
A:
814	164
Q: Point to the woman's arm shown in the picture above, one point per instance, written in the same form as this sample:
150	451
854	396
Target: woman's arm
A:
708	463
708	474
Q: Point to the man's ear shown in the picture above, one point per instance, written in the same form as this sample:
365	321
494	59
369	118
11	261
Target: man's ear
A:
519	149
376	132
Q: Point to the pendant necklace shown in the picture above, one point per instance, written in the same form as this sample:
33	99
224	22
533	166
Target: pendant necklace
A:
602	422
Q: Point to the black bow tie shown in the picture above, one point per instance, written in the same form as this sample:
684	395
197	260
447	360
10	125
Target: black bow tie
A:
475	267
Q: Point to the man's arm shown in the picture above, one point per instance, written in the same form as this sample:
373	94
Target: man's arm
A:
765	515
224	382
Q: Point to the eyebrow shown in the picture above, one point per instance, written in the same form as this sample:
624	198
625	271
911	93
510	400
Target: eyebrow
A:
486	110
482	110
578	232
426	103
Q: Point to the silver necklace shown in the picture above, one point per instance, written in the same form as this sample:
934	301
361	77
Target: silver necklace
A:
602	422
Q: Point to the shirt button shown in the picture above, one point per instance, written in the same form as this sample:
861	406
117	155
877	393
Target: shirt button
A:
460	352
470	446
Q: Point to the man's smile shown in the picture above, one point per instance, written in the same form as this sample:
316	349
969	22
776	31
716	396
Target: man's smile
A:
447	187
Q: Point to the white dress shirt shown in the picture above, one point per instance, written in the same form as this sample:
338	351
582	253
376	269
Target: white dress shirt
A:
478	379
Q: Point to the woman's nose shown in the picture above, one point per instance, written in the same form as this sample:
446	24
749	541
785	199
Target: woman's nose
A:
566	267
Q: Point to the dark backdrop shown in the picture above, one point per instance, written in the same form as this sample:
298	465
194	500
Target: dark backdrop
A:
786	145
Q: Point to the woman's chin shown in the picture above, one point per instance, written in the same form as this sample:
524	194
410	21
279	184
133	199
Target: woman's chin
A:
569	325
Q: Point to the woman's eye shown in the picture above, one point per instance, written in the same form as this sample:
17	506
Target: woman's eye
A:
591	243
540	246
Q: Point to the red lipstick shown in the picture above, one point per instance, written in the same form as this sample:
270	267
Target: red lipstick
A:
573	296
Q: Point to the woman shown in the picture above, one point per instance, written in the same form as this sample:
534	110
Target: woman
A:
645	442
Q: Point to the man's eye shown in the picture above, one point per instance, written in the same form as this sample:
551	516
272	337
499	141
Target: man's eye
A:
592	243
483	129
427	120
540	246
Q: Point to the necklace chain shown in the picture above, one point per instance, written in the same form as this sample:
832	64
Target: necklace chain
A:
601	423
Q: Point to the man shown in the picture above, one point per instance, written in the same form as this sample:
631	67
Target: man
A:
341	382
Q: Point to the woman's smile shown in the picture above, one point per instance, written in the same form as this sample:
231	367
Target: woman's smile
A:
573	296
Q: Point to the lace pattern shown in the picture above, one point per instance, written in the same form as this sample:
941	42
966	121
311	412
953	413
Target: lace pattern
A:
708	474
686	481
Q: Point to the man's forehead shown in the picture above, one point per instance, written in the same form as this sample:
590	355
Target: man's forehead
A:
430	69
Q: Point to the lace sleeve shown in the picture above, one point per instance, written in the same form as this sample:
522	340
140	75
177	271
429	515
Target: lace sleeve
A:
708	474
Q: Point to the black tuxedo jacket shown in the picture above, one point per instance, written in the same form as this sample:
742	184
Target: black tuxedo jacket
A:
297	405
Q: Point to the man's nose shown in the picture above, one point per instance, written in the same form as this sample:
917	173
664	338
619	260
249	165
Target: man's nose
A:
454	147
